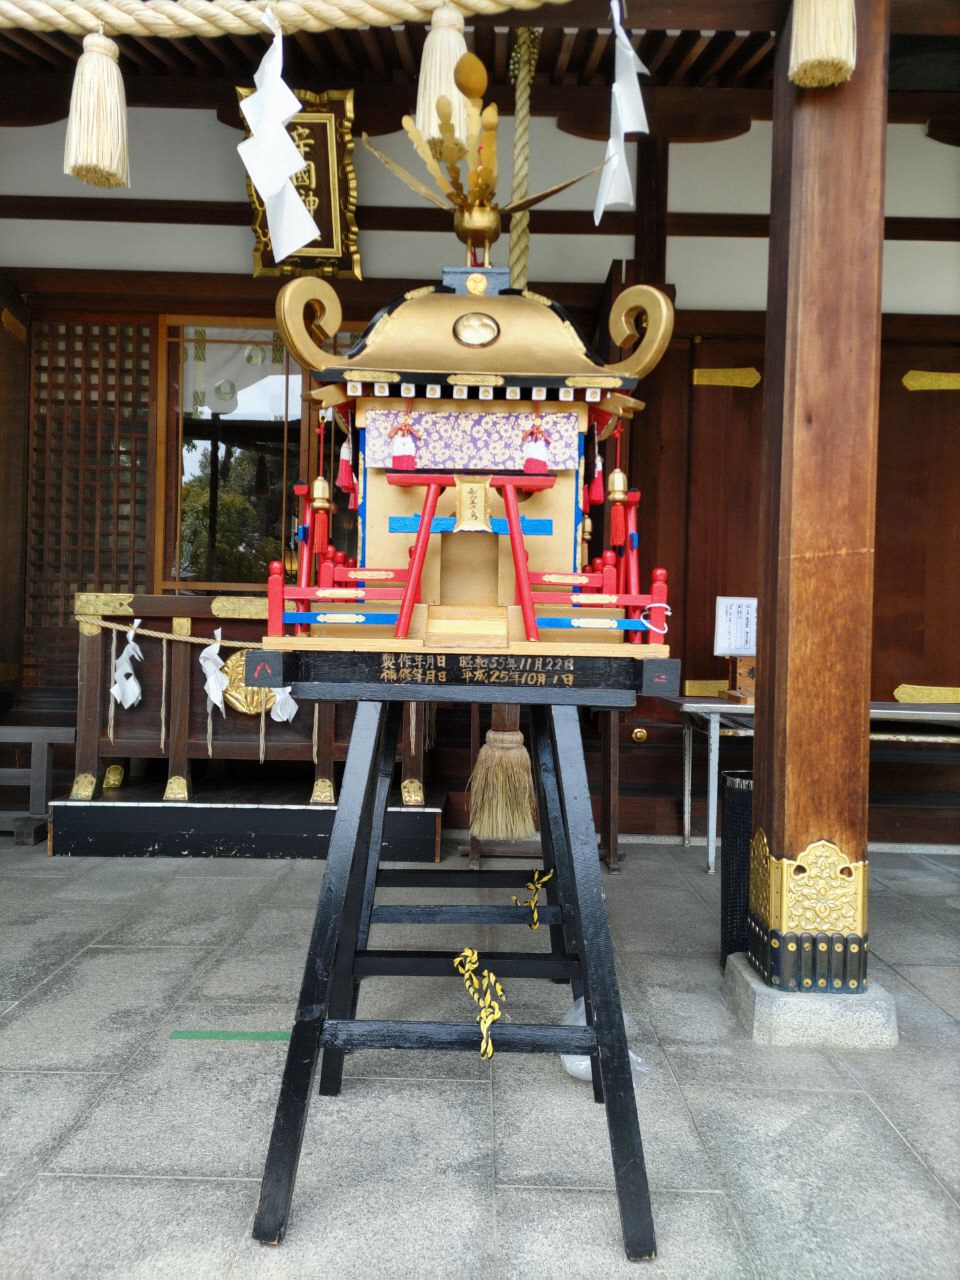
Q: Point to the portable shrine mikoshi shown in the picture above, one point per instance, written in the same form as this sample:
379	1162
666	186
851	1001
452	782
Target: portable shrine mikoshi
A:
462	405
473	417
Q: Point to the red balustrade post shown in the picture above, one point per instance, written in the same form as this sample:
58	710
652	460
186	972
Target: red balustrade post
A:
411	591
657	612
275	599
608	568
520	562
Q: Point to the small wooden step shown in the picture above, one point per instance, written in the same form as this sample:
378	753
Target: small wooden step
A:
478	627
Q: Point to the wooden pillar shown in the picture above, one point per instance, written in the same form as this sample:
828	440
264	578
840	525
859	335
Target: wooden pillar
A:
178	786
808	856
650	222
88	778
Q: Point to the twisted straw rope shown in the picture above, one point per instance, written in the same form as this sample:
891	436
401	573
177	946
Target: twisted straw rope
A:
179	19
522	65
164	635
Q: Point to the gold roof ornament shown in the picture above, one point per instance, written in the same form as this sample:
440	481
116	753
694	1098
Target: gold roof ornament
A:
471	194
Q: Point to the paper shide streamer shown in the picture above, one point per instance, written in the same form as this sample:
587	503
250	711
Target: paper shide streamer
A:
126	687
269	154
627	115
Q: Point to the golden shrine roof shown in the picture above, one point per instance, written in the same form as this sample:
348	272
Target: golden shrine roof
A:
441	333
472	336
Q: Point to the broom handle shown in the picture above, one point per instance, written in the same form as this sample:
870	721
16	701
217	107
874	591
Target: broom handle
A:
505	717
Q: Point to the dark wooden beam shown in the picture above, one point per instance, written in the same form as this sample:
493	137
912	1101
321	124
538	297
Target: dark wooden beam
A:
60	290
821	405
584	110
556	222
908	17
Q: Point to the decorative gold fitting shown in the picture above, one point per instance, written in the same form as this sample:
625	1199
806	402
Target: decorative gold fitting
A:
411	790
113	778
321	494
99	602
639	735
480	225
180	626
819	891
88	628
322	792
617	486
177	788
84	787
239	606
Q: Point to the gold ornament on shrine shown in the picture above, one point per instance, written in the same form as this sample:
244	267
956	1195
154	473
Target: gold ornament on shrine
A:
465	168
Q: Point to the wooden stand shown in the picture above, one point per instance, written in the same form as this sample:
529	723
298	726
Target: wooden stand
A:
338	957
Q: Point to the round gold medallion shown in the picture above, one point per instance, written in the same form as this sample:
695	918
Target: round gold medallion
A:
475	329
476	283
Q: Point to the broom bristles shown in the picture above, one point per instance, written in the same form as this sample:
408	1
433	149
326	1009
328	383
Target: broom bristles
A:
823	45
503	805
442	50
96	146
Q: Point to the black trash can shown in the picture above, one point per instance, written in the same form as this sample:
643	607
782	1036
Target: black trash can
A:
735	835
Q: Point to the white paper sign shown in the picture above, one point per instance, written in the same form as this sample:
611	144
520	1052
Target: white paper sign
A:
735	633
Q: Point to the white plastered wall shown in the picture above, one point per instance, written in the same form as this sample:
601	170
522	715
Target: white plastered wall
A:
190	155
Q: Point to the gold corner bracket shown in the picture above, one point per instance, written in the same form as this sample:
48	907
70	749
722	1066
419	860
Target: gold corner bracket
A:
323	792
177	788
807	928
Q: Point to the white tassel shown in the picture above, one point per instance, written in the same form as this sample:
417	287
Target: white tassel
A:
442	50
96	148
823	45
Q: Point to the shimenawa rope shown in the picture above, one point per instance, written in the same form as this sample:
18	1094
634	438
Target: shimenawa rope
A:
180	19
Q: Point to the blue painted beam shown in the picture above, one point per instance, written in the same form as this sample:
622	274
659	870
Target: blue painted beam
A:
531	527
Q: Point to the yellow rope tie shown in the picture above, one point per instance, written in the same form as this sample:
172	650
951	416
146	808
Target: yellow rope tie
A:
482	991
534	885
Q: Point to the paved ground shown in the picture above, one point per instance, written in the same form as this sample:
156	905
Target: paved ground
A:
125	1153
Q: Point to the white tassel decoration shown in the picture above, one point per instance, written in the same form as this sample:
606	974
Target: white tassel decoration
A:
96	148
442	50
823	45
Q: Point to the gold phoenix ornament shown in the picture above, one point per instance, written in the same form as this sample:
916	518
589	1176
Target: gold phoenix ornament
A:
472	193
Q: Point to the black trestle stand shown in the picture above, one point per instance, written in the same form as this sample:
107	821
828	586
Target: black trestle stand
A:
338	957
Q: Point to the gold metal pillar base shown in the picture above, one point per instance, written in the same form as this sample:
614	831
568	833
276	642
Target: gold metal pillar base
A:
178	788
411	791
807	923
84	787
323	792
113	778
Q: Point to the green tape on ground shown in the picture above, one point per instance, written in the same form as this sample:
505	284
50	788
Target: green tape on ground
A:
229	1035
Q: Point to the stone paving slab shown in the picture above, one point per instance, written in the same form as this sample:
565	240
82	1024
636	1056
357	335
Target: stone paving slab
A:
939	982
36	1110
125	1229
552	1134
93	1013
564	1235
188	1108
827	1190
763	1162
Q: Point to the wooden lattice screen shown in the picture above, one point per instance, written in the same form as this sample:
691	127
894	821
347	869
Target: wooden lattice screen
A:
91	413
